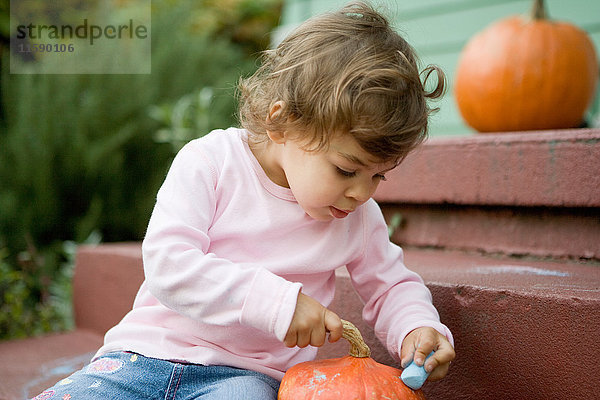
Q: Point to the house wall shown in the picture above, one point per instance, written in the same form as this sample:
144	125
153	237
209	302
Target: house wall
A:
439	29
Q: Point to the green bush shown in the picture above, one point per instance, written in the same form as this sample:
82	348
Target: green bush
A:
35	300
79	153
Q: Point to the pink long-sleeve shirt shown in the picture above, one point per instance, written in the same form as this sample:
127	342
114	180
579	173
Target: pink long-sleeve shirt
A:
226	253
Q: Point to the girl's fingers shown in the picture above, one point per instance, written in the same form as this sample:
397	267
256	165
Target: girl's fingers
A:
333	325
439	372
442	356
420	343
291	338
424	347
318	335
304	337
406	356
439	363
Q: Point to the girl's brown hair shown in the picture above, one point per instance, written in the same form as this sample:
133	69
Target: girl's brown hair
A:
343	72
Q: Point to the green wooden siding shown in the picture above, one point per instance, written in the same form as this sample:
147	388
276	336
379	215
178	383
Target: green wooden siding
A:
439	29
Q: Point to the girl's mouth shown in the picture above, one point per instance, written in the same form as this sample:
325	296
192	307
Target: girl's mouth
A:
337	213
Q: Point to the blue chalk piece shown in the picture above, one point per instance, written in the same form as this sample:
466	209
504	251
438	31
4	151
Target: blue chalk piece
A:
414	376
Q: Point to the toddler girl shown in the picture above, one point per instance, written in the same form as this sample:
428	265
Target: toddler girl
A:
251	224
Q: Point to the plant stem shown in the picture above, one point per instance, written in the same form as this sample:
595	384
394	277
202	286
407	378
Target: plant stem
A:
358	347
538	11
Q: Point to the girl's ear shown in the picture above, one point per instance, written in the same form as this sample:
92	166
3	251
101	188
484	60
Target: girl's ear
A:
276	110
274	113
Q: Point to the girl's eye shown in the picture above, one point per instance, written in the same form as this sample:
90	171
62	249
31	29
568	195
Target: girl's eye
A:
347	174
381	177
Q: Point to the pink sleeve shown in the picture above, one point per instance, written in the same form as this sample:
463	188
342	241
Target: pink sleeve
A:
396	299
182	273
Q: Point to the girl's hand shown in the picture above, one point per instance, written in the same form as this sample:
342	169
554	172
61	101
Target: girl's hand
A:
311	323
419	343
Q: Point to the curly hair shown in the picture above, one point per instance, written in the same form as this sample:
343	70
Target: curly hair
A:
343	72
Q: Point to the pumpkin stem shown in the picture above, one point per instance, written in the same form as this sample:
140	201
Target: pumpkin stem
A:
538	11
358	347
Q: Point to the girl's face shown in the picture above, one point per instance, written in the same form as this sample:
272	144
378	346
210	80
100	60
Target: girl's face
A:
331	183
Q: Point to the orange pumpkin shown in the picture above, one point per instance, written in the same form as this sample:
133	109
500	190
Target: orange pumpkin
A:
355	376
526	74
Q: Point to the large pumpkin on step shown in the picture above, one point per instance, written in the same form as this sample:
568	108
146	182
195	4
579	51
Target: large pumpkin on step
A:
526	74
352	377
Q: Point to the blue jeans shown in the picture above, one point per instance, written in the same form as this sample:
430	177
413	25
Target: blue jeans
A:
123	375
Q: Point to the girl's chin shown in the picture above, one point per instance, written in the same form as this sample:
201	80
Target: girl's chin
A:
323	214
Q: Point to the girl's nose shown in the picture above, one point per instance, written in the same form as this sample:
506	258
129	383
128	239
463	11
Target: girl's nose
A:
361	191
